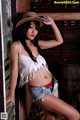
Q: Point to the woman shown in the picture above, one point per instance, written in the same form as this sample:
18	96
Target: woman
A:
26	57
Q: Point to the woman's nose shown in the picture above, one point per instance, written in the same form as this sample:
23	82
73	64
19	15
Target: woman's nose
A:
33	29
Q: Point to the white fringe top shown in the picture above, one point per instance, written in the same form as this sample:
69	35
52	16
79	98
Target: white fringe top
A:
26	65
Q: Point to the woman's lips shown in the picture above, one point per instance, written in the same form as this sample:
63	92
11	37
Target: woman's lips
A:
32	35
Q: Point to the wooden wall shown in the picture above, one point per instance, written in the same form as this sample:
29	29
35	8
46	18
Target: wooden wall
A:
70	49
68	21
22	6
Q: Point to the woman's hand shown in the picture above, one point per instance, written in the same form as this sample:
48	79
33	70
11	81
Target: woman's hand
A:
47	20
10	98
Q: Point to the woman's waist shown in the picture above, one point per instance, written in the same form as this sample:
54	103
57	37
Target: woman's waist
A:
41	81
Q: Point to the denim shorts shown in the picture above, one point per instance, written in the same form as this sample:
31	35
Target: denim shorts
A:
38	93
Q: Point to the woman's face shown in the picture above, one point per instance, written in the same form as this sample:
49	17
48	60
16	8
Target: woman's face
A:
32	31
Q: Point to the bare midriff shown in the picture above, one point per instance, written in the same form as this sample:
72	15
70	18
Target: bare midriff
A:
40	77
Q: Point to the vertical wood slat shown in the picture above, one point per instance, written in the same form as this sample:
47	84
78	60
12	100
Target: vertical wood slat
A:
1	70
13	8
14	20
1	86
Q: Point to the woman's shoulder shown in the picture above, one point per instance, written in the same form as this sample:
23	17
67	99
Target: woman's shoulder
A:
15	45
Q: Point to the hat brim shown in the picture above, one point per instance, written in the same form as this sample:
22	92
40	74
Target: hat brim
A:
29	19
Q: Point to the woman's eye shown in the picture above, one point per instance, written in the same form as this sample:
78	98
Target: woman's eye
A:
31	26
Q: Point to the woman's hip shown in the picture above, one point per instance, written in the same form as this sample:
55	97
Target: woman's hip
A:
39	92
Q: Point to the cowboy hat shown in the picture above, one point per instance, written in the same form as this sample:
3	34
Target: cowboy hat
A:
29	16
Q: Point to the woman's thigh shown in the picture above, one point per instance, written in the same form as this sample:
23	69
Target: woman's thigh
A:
53	104
28	99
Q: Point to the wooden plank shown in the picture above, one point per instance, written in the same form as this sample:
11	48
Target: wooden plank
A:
22	6
62	16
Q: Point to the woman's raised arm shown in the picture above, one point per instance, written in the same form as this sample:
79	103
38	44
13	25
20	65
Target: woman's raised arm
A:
51	43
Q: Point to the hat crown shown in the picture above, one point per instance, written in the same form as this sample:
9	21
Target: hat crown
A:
30	14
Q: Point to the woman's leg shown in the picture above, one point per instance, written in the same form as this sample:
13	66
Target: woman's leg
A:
22	112
28	100
22	106
50	115
53	104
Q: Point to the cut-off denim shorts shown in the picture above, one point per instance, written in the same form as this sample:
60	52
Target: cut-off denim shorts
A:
38	93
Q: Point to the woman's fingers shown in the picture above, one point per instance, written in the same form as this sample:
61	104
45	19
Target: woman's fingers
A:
47	20
10	100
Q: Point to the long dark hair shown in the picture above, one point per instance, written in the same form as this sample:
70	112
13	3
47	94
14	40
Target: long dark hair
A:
21	36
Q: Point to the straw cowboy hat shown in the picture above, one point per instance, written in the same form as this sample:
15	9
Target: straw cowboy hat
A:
29	16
